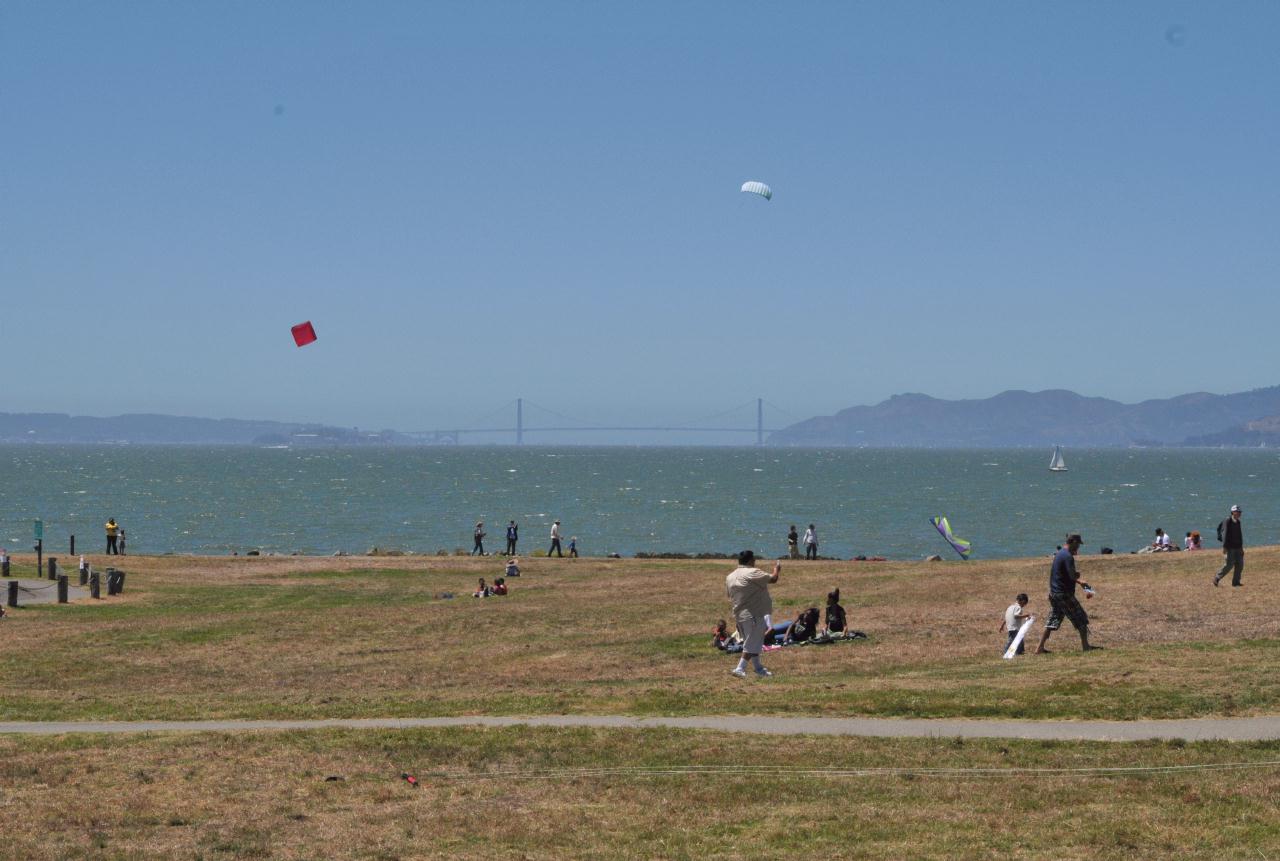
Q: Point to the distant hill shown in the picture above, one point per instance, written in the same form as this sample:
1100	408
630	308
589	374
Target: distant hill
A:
146	428
1263	432
1018	418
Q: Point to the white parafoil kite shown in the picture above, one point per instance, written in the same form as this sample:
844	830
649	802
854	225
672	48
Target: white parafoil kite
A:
758	188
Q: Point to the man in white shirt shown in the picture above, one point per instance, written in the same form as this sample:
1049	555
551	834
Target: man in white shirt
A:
811	543
747	588
555	540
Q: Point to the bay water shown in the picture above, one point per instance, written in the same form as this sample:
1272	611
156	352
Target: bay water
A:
219	500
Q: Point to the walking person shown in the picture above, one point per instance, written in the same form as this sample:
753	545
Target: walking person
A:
555	540
1231	534
513	535
1062	596
810	543
747	588
478	549
112	531
793	543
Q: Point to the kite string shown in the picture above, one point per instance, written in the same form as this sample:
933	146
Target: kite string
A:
889	771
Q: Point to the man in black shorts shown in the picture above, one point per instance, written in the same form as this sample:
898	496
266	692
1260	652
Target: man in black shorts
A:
1062	596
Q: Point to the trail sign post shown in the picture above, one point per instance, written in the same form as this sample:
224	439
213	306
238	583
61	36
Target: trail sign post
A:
39	529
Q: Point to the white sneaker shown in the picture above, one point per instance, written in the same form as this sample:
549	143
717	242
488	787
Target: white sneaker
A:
762	671
739	672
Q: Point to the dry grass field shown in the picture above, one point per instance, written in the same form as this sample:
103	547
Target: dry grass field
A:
363	637
581	793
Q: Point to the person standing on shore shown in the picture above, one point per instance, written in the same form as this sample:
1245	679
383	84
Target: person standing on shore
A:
810	543
478	549
793	543
1062	596
513	535
1231	534
747	588
120	542
112	531
555	540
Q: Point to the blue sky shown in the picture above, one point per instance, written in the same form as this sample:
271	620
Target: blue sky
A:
480	201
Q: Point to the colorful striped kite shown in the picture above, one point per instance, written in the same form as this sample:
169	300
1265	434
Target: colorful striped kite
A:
964	548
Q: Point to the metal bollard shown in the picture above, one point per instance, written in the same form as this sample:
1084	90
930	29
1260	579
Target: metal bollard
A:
62	588
95	588
13	593
53	568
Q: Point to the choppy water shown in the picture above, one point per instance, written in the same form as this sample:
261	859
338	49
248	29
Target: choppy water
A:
864	501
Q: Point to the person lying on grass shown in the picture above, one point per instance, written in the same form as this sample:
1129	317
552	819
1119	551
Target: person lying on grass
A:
805	627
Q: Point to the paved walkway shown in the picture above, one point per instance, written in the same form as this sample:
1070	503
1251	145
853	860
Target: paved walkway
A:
1199	729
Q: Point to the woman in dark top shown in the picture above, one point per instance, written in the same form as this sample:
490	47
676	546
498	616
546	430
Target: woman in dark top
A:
836	624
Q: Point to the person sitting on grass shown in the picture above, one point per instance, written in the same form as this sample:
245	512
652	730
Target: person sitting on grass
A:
483	591
513	568
721	637
836	622
499	586
1193	541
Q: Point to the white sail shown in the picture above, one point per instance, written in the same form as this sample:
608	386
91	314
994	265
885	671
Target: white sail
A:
1057	464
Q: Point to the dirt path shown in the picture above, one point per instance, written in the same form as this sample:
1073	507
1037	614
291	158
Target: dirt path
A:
1199	729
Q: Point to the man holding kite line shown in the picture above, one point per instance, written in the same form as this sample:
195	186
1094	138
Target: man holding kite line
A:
1062	596
747	588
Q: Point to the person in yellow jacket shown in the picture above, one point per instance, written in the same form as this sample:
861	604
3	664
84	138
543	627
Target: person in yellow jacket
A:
112	531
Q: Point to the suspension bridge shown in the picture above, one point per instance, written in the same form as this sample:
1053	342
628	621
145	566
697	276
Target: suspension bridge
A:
560	423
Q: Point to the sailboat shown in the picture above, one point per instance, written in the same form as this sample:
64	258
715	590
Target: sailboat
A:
1057	464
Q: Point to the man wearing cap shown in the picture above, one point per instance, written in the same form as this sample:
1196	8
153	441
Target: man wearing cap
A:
1062	596
748	590
1231	534
555	541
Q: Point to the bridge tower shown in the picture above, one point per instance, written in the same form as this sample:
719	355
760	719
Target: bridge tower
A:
519	421
759	421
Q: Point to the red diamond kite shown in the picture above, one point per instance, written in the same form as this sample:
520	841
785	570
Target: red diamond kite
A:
304	333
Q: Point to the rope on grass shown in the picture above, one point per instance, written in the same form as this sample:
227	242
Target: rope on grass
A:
890	771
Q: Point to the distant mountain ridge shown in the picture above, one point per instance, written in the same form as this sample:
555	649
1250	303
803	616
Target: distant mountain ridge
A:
1055	416
146	428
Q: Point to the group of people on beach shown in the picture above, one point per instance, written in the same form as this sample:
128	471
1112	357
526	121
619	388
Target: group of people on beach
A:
513	537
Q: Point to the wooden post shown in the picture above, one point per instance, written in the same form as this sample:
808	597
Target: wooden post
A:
4	566
95	587
62	588
40	557
119	582
13	593
84	575
72	551
53	568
